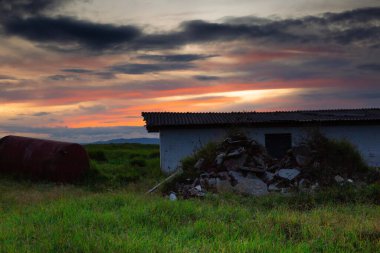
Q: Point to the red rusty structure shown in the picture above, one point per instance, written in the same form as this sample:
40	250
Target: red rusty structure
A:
43	159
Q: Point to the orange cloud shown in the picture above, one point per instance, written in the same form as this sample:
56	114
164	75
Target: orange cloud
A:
131	115
94	94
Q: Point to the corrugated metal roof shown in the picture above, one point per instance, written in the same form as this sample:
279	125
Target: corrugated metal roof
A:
156	120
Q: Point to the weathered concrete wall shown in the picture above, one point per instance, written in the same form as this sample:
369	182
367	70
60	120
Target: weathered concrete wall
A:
175	144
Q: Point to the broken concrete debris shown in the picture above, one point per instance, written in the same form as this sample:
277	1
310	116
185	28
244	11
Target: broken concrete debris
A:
223	186
235	163
268	176
241	165
172	196
219	159
288	174
251	186
339	179
237	152
273	188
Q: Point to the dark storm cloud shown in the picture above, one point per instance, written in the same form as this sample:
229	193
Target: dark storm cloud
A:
347	94
358	15
358	27
20	8
57	78
6	77
299	69
206	78
27	19
49	93
91	36
165	63
78	71
39	114
362	34
106	75
63	78
136	68
101	74
201	31
93	109
344	28
370	66
176	57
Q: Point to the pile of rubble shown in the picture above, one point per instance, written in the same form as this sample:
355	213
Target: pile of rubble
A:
243	166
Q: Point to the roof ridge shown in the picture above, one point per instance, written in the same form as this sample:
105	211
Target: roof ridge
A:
268	112
157	120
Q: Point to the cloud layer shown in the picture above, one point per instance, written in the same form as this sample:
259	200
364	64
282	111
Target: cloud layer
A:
360	27
65	76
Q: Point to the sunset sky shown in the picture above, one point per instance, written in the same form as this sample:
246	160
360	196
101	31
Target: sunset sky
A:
85	70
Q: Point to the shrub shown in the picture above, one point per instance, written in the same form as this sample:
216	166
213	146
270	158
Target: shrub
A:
333	157
93	175
134	155
97	155
138	163
155	154
207	152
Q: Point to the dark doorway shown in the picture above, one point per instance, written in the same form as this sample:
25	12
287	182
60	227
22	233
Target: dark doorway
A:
278	144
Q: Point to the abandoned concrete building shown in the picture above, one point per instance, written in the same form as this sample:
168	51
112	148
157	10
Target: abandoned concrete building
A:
183	133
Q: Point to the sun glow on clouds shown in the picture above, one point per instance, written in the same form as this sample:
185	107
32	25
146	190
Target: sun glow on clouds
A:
243	95
214	101
11	109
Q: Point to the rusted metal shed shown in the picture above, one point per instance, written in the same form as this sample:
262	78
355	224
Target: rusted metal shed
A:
43	159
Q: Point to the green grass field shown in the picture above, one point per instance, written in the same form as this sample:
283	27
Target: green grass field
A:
119	165
120	217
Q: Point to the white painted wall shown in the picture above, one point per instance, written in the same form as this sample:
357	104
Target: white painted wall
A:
175	144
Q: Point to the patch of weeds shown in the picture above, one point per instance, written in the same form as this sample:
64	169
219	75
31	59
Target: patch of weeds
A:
302	202
97	155
371	193
134	155
372	236
207	152
373	175
138	163
333	157
155	154
345	194
292	230
126	163
93	175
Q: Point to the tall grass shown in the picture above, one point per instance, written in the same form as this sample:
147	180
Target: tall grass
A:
117	165
118	217
67	219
